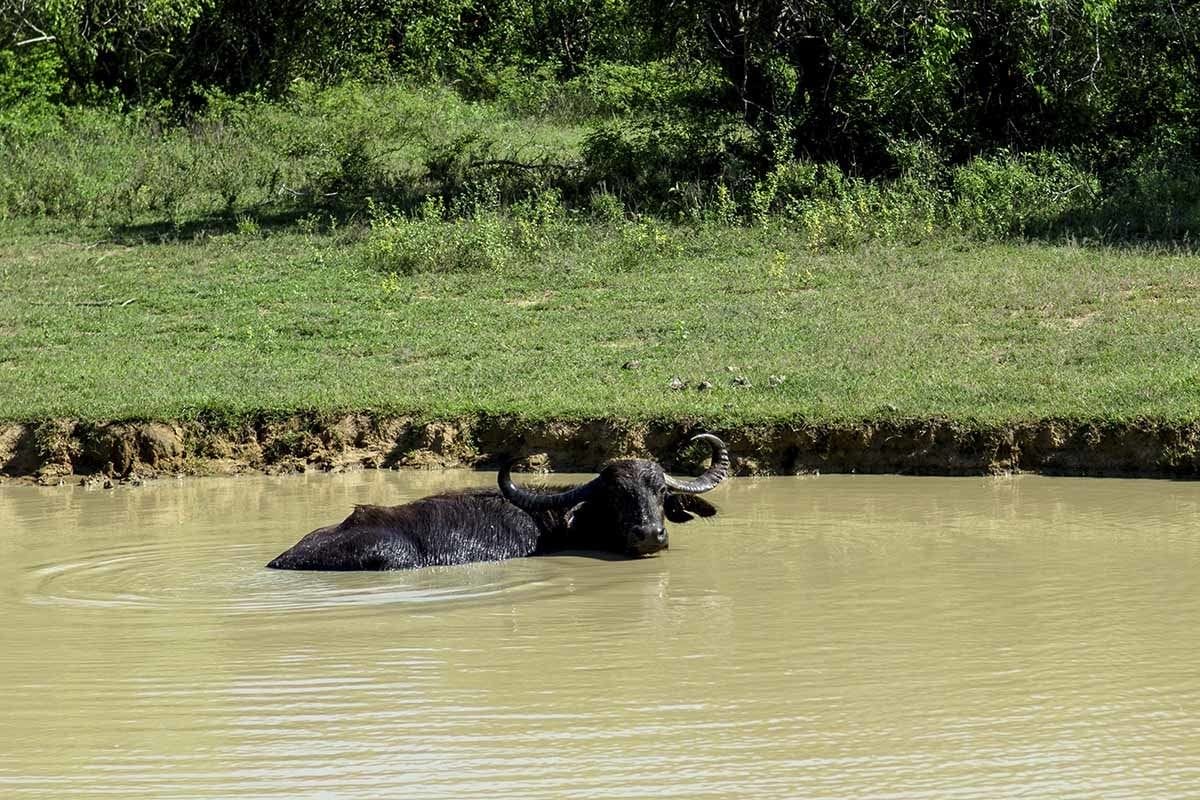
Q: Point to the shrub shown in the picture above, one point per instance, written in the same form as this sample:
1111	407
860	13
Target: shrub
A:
641	245
645	161
791	184
31	85
606	207
71	169
317	149
863	211
1157	195
539	220
1007	195
428	242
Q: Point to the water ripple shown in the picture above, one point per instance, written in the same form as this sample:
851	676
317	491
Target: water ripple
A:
212	576
827	638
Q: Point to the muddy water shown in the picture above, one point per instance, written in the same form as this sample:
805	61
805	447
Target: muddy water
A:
836	637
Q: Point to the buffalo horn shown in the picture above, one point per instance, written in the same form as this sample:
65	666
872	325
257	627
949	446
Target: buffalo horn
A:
716	472
541	501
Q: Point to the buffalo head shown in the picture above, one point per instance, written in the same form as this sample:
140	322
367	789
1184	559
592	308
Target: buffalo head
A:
622	508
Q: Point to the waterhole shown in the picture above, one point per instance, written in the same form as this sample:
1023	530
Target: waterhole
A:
831	637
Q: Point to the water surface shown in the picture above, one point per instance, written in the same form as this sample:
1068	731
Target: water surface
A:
832	637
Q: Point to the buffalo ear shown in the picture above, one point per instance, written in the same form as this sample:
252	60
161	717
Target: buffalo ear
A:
681	507
673	509
698	505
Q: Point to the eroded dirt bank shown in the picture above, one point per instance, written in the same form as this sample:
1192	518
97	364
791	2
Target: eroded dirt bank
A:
65	450
61	451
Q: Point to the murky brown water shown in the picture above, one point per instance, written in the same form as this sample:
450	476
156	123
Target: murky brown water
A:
837	637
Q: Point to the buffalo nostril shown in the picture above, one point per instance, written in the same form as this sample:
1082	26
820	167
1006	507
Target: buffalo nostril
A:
649	533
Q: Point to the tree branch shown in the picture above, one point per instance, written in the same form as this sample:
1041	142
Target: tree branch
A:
43	38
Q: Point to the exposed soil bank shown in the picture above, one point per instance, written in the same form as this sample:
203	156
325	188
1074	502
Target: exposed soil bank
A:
57	451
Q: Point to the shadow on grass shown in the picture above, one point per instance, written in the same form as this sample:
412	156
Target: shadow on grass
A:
317	217
1129	223
1123	228
460	186
326	220
279	220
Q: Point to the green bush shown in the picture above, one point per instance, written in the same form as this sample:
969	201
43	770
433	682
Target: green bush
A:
328	151
324	149
1157	196
648	161
540	220
534	90
606	207
71	168
641	246
841	82
603	90
792	184
1007	195
473	168
32	82
863	211
429	242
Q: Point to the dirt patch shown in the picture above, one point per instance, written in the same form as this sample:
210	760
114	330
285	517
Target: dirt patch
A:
531	300
61	451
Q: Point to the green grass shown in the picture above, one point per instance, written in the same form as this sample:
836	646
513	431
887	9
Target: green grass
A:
315	151
353	149
285	320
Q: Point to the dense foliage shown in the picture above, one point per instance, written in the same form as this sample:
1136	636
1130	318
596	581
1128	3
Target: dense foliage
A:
1091	104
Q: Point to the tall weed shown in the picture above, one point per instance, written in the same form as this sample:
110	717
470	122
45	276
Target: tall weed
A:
429	242
1004	195
325	149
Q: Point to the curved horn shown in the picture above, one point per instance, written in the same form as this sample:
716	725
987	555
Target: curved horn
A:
717	471
540	501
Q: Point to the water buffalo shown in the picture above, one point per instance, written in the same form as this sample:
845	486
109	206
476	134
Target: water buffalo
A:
619	511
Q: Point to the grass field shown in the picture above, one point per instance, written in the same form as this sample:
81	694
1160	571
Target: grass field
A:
539	321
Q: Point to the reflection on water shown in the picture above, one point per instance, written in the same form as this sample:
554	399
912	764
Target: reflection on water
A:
837	637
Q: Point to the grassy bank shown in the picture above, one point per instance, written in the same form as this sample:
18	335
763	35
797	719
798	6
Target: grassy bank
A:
542	315
260	273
